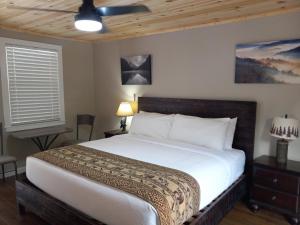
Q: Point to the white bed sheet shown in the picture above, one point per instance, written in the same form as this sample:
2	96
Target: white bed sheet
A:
214	170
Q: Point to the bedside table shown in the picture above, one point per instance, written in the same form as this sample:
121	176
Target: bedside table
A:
276	187
111	133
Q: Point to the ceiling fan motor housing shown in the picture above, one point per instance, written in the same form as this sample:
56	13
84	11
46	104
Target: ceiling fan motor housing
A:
87	11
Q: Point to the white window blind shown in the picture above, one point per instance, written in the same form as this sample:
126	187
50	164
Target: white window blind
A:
34	89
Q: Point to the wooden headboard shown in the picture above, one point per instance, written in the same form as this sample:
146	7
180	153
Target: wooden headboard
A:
244	110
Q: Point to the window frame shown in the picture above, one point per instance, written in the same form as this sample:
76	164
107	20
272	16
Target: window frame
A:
5	87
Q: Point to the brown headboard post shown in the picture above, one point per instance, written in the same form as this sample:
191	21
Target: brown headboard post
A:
245	111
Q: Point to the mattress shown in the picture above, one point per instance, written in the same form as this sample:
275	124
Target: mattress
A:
215	171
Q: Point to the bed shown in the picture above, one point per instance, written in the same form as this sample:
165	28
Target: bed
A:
226	174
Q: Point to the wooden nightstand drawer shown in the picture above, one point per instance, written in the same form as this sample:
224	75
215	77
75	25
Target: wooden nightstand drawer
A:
276	187
276	180
275	198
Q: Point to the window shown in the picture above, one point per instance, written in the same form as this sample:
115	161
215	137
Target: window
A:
32	84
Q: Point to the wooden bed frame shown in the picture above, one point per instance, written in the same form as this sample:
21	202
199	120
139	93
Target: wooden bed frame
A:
55	212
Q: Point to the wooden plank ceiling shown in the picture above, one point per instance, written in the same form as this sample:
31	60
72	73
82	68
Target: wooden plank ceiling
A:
165	16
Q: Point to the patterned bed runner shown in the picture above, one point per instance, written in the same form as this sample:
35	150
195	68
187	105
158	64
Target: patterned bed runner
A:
173	193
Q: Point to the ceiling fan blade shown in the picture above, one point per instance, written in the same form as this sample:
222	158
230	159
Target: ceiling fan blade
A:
39	9
121	10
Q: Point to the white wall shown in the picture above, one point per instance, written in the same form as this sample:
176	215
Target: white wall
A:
200	63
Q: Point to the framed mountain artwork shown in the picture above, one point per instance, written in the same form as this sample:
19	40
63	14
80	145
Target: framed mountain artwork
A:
268	62
136	70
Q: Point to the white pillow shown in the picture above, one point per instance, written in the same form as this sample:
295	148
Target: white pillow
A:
230	131
151	124
210	133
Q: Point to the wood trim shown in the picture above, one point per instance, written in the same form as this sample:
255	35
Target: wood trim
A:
214	22
165	16
42	35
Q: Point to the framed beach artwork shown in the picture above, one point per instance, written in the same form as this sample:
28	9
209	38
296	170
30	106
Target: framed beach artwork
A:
136	70
268	62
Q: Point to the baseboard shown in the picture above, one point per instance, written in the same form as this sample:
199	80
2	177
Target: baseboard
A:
12	172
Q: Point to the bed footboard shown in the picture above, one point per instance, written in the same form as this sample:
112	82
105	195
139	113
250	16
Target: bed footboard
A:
55	212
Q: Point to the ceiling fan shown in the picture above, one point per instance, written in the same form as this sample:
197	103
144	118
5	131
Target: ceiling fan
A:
89	17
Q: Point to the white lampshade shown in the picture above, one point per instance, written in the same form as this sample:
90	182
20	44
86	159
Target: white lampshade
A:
124	109
285	128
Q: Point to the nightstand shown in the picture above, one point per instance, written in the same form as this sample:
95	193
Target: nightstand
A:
111	133
276	187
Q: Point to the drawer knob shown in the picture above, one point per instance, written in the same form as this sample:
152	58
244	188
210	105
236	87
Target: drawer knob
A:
275	180
274	198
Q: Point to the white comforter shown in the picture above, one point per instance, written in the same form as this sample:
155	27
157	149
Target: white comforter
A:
214	170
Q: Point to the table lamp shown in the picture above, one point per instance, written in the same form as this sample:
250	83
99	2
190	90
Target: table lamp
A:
285	129
124	110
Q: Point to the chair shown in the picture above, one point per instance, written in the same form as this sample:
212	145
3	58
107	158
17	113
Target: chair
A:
6	159
82	119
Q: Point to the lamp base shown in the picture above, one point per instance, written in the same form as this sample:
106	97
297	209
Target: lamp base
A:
282	151
123	123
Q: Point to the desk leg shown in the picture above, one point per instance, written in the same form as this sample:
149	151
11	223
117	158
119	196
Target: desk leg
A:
3	172
38	143
46	145
46	142
50	143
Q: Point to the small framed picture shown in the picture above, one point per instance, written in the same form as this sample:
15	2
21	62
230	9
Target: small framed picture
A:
136	70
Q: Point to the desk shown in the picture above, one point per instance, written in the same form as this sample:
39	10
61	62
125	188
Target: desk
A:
36	134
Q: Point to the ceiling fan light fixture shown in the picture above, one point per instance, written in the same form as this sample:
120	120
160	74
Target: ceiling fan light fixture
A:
88	23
